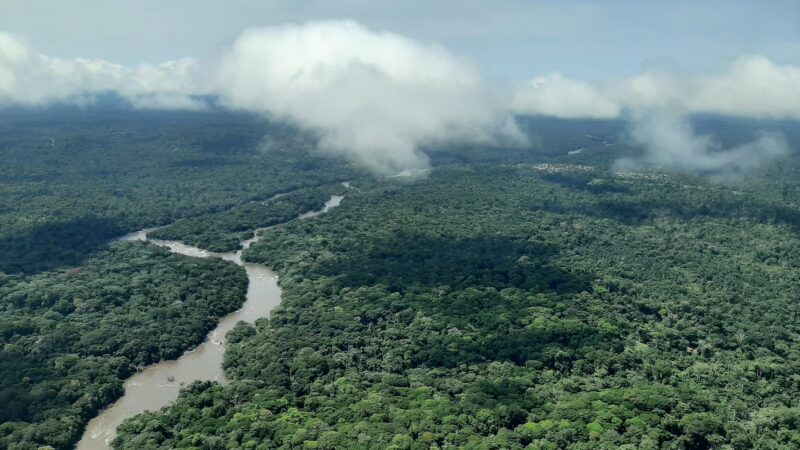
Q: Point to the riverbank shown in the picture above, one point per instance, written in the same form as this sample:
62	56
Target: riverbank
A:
159	384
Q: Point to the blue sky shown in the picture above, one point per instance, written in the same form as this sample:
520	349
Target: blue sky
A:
507	39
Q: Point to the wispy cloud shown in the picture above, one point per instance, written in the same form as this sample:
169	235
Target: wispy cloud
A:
658	105
31	78
671	143
558	96
753	86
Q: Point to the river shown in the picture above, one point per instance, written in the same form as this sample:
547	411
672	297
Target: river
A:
158	384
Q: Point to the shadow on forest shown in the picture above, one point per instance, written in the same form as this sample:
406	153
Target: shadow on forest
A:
228	143
15	390
632	210
418	265
407	259
583	183
56	245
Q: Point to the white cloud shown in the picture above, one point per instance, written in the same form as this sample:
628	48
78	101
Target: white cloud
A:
753	86
558	96
658	105
671	143
377	97
372	96
30	78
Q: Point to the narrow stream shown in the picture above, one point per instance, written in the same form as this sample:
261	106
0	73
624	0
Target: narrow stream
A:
158	384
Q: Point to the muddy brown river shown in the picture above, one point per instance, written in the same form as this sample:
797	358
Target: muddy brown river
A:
158	384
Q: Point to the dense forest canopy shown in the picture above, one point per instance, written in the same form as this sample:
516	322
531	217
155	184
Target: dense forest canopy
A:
513	297
526	305
514	307
70	338
74	179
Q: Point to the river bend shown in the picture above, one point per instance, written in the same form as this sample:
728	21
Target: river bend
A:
158	384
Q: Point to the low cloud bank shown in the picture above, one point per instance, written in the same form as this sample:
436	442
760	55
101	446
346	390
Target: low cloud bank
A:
33	79
377	97
658	105
752	86
558	96
671	143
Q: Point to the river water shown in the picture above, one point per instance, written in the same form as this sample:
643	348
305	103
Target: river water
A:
158	384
